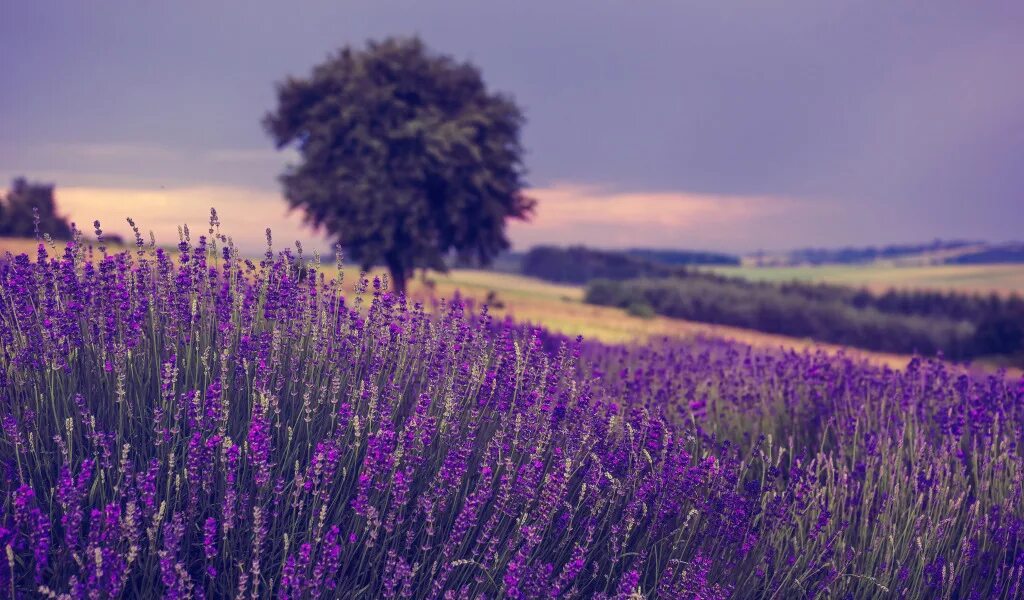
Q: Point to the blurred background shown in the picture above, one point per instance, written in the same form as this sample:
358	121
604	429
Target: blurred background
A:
875	146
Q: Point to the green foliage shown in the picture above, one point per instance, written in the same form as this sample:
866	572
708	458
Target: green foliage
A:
686	257
958	326
854	256
16	211
578	264
1009	253
955	324
639	308
405	156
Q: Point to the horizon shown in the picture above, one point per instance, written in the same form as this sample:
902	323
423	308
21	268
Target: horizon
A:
83	206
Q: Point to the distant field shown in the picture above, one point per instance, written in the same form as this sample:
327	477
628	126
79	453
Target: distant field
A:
1002	278
29	246
560	307
21	246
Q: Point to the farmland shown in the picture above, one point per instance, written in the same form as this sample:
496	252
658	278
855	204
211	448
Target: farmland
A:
179	422
560	308
511	301
998	278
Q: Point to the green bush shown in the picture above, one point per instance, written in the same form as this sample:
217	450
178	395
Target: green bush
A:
781	310
641	309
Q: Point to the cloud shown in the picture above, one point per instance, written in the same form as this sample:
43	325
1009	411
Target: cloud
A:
573	213
909	113
244	212
568	213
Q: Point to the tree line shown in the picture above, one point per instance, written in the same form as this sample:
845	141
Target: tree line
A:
686	257
1010	252
28	207
959	326
579	264
852	256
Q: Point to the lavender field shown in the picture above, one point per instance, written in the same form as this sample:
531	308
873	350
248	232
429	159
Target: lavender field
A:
194	424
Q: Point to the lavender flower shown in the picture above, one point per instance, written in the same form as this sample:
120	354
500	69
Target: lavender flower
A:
193	424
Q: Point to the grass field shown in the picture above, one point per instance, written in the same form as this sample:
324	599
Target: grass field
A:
1003	279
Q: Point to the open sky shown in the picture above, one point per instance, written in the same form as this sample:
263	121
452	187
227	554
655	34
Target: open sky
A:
719	124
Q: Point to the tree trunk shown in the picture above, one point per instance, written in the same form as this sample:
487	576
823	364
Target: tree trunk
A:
399	277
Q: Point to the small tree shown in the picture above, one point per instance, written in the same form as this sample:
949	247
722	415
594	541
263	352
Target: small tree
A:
17	217
406	157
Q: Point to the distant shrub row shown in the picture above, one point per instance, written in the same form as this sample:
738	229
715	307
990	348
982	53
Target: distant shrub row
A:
824	256
1012	252
685	257
578	264
957	325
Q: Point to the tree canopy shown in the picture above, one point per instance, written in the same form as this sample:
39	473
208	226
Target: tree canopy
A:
17	217
406	156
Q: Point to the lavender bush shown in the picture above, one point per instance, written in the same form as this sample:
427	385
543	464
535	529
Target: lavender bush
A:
199	425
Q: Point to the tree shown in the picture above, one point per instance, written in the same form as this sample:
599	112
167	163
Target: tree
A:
17	217
406	157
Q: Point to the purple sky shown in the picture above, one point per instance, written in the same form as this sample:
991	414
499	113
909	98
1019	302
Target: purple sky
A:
721	125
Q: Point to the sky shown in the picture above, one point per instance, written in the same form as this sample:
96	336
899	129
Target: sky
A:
715	125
